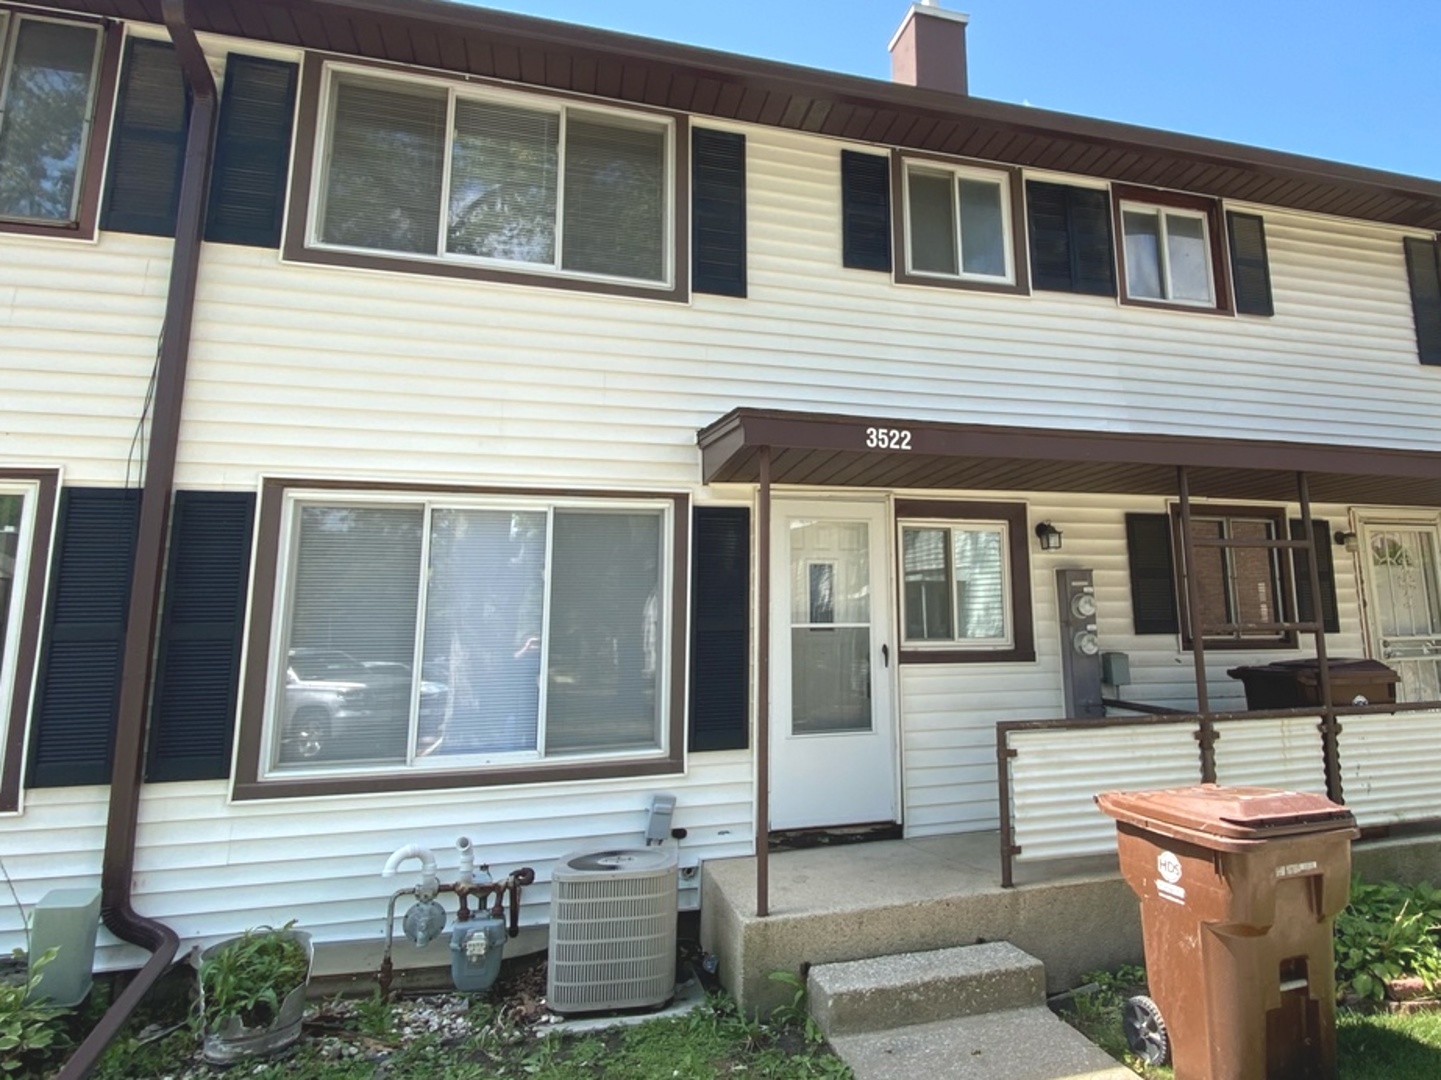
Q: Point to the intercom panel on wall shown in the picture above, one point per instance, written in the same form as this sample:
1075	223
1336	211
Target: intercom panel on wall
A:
1080	647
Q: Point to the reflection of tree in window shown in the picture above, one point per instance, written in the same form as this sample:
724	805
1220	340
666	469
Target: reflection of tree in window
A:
503	183
46	101
614	199
483	626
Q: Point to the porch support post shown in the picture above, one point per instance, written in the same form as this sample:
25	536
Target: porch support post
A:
763	686
1206	736
1330	728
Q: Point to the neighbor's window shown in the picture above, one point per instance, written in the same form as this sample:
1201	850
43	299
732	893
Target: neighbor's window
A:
1168	255
1242	592
430	170
435	633
48	74
964	581
958	223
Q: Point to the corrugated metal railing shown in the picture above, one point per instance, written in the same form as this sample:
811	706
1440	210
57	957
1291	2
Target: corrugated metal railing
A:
1049	771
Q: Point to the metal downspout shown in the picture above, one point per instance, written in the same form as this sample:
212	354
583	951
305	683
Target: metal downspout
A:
118	865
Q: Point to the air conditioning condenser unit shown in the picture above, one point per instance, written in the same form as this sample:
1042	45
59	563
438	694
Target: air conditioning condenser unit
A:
612	930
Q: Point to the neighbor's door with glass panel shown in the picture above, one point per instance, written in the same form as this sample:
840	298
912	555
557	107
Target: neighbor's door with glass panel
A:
1403	603
832	736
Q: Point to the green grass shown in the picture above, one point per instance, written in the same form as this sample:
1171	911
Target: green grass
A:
1369	1045
712	1042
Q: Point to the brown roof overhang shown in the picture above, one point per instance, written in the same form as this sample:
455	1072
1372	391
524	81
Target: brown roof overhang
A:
829	450
492	44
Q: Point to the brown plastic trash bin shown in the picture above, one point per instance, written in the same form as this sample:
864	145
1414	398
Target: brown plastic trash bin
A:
1293	684
1238	887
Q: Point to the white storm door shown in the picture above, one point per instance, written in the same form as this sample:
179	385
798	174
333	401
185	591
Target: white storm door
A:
1399	563
833	742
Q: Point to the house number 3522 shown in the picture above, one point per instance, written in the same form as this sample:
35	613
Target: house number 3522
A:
888	438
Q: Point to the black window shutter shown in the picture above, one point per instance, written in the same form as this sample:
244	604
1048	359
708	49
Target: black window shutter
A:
252	152
197	672
720	629
1325	570
73	729
1153	574
718	212
1070	230
147	153
1423	266
865	211
1250	266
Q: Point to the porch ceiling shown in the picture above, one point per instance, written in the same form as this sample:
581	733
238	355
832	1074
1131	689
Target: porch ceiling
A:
831	451
492	44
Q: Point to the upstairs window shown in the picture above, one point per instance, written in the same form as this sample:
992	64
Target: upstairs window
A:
958	225
49	72
426	170
1170	250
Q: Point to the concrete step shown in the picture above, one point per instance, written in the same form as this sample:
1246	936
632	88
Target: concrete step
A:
1017	1044
918	988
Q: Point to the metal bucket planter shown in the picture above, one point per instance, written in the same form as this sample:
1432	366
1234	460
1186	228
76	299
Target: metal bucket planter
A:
238	976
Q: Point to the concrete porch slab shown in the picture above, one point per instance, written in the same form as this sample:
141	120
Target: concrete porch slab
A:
897	896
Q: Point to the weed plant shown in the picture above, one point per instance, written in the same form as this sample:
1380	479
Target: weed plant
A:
251	976
1388	931
31	1032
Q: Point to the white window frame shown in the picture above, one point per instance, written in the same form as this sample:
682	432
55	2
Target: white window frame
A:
334	72
29	492
951	526
297	498
1001	180
1161	212
10	23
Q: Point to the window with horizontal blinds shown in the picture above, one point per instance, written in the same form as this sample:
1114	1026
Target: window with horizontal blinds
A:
385	167
47	98
444	634
428	169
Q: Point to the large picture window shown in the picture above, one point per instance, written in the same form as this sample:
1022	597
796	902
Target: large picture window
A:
49	72
419	635
514	182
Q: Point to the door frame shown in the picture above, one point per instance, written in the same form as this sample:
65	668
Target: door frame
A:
878	512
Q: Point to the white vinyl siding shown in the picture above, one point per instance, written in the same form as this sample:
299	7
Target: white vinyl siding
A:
47	98
431	170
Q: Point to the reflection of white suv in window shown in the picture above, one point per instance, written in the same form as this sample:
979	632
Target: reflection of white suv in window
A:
339	707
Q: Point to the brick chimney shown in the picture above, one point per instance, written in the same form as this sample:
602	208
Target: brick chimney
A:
929	50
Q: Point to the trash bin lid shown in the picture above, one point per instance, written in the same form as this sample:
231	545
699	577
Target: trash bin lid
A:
1236	813
1308	670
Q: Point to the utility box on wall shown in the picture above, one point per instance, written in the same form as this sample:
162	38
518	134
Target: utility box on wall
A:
1080	646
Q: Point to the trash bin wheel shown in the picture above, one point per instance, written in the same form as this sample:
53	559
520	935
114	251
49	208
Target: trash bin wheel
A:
1145	1030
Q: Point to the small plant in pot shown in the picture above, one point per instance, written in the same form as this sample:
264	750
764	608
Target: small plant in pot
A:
252	992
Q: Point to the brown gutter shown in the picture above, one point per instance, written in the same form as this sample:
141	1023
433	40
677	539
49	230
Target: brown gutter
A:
118	865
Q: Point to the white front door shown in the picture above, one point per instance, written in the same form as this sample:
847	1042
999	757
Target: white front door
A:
833	744
1399	562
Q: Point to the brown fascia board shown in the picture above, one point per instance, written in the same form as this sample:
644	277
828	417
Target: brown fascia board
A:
1419	199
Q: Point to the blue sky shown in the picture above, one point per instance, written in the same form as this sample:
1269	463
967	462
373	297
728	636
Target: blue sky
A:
1358	83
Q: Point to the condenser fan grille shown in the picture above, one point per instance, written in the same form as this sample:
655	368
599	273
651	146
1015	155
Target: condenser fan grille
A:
612	931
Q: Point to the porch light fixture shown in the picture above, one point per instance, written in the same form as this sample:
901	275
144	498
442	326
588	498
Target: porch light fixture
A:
1049	536
1347	540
